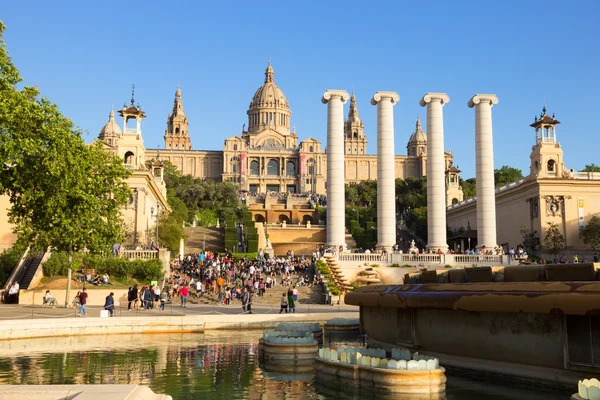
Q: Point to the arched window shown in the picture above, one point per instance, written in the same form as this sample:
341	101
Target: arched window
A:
129	158
235	147
290	168
551	165
273	167
254	168
454	201
177	131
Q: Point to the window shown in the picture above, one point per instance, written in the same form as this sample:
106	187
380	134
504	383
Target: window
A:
273	188
551	165
311	149
254	169
290	169
235	168
129	158
454	201
235	147
273	168
177	131
291	189
254	189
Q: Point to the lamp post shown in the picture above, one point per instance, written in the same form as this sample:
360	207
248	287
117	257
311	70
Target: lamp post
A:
469	240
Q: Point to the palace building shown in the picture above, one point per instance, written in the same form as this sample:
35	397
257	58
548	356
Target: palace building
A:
268	155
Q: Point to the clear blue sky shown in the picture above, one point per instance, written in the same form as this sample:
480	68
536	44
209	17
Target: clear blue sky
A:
85	56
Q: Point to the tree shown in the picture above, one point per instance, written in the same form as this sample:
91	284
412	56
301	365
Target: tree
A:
469	187
531	240
505	175
591	168
63	193
554	241
591	233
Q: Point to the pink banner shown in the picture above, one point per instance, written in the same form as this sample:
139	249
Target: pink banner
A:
303	164
243	162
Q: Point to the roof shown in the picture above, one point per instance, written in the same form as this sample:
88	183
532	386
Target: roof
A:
452	168
545	120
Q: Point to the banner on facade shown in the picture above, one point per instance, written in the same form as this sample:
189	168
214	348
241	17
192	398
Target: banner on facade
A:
303	164
243	162
580	213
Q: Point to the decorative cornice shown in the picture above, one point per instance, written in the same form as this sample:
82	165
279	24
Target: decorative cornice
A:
392	96
434	97
483	98
333	94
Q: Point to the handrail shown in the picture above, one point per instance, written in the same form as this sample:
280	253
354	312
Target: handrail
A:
18	267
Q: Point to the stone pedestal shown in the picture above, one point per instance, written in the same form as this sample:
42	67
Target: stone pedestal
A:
484	154
436	171
335	100
386	176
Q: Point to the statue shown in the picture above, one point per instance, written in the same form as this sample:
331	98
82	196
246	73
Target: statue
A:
413	248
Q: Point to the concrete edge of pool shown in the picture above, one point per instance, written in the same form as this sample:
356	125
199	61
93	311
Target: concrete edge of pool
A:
113	392
39	328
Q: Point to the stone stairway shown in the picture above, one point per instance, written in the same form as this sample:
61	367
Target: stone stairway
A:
338	277
368	277
198	236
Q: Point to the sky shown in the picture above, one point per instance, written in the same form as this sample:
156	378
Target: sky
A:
85	56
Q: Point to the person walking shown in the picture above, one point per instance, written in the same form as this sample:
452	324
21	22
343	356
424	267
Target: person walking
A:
184	292
109	304
284	303
291	302
245	300
83	302
163	299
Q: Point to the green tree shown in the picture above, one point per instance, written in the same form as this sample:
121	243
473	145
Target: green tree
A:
170	232
591	168
63	193
591	233
531	240
554	241
505	175
469	187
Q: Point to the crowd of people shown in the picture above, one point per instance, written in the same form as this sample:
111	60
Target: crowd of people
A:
224	279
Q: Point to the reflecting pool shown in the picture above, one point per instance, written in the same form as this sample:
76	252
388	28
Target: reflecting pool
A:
209	366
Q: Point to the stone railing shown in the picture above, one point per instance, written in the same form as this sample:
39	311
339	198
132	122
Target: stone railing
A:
476	259
138	254
417	258
450	259
362	257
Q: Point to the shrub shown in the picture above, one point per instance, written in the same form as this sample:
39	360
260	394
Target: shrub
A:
142	270
407	266
206	217
395	265
58	264
8	261
252	246
374	265
448	266
249	256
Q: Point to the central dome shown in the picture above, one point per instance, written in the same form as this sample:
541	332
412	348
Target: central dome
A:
269	107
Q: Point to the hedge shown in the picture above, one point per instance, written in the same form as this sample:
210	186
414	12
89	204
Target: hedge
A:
142	270
252	246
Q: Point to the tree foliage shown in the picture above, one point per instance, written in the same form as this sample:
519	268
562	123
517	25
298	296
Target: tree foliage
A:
469	187
63	193
531	240
591	233
554	241
591	168
505	175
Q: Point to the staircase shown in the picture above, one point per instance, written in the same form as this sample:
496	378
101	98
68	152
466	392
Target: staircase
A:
368	277
198	237
340	280
28	270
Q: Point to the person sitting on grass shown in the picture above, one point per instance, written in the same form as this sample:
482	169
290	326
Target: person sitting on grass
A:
105	279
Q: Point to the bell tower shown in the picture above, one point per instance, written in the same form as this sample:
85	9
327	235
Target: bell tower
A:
546	155
177	136
355	141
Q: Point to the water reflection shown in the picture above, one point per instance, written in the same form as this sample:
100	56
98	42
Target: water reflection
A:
209	366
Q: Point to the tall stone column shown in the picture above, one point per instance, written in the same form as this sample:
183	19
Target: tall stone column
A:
484	154
436	171
336	204
386	171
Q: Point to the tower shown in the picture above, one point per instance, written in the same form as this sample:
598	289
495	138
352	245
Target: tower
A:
355	141
546	155
417	144
177	136
454	192
110	132
131	145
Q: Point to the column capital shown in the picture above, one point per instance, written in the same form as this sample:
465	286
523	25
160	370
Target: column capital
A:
483	98
392	96
434	97
332	94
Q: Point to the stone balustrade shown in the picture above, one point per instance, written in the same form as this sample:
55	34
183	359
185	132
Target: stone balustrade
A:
450	259
589	389
364	257
138	254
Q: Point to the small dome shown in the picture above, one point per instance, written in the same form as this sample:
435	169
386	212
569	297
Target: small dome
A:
418	136
111	128
269	95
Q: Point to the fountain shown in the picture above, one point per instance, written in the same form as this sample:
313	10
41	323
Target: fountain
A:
314	328
588	389
343	324
288	351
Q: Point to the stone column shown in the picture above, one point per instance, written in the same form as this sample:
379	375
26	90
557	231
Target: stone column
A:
386	171
484	154
336	233
436	171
